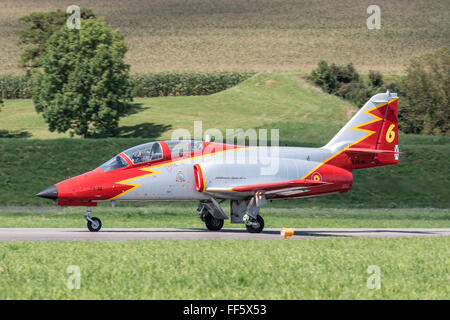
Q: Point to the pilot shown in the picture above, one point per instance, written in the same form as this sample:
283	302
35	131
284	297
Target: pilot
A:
137	157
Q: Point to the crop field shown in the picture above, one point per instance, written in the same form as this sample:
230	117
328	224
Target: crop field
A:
202	35
415	268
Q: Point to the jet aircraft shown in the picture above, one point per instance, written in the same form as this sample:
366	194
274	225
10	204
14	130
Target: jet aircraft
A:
196	170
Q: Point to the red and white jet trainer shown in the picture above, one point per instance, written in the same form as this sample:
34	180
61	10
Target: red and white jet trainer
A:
198	170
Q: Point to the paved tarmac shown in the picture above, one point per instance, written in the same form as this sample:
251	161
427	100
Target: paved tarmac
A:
73	234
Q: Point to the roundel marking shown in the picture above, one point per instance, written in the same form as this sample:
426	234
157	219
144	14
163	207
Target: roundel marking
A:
316	176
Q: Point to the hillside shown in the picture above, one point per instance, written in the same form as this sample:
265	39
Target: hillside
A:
282	100
258	35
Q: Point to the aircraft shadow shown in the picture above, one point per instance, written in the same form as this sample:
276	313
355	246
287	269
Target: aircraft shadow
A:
306	233
228	231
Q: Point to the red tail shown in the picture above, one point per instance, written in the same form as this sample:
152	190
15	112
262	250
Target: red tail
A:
381	148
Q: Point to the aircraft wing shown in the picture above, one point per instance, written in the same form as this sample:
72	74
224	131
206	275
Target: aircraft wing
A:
274	188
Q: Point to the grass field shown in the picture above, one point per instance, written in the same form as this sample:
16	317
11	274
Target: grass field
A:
206	35
415	268
184	215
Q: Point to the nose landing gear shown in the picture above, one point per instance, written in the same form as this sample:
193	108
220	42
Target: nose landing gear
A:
94	224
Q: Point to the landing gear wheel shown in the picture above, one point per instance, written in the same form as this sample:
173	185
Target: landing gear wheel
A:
212	223
256	226
95	225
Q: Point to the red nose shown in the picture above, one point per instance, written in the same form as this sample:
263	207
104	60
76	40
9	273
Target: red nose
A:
91	186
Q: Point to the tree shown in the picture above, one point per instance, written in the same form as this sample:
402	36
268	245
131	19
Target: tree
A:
325	77
426	89
375	79
84	87
345	82
41	26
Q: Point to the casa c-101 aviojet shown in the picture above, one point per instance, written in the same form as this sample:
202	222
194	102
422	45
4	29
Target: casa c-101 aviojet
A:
196	170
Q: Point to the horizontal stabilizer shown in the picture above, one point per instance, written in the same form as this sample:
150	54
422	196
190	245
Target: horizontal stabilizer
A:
367	150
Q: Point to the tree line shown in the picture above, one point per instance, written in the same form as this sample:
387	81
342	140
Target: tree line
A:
424	90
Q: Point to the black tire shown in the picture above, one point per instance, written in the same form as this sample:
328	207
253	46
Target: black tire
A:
212	223
93	228
252	229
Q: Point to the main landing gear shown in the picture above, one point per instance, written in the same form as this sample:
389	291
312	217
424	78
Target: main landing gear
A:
253	221
212	223
94	224
254	225
242	211
211	214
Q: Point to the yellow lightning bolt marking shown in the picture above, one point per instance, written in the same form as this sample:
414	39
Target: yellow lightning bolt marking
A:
358	127
135	185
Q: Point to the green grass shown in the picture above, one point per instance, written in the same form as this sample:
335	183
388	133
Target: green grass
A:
183	215
252	35
415	268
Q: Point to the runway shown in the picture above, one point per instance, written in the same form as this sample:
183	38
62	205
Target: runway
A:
73	234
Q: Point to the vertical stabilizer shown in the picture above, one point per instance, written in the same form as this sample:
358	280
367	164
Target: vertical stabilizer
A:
371	136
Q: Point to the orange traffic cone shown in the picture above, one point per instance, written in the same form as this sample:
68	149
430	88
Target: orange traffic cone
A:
287	233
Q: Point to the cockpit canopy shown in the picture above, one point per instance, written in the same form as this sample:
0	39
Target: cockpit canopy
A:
178	148
114	163
145	152
153	151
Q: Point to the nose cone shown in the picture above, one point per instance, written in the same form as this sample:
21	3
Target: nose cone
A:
49	193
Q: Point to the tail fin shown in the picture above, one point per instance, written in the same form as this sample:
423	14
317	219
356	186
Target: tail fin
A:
370	138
